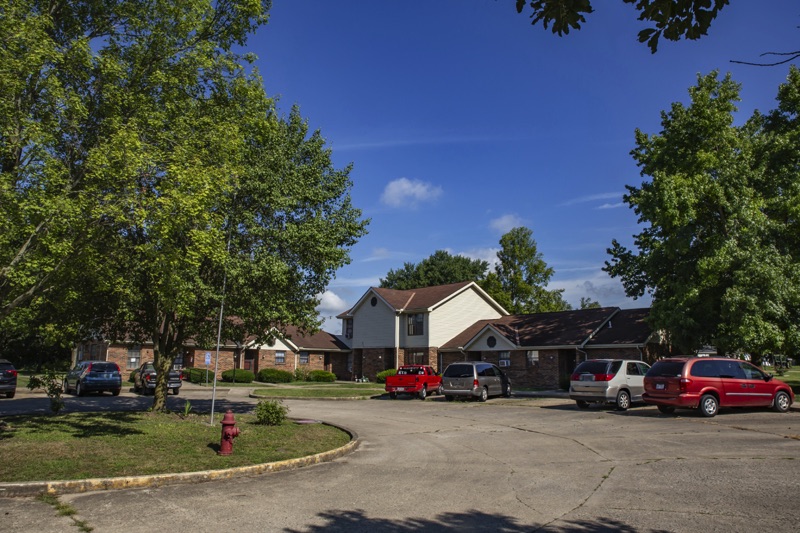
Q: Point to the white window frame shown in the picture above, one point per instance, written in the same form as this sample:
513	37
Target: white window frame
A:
505	358
532	357
280	357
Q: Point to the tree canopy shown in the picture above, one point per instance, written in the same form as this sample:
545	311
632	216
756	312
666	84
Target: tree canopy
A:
671	19
441	268
720	251
520	280
147	178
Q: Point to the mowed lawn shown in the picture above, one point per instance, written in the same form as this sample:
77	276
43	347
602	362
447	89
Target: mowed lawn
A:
89	445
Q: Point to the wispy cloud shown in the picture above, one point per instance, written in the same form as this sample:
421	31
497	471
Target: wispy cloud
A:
356	282
506	223
484	254
404	192
611	206
592	198
381	254
420	141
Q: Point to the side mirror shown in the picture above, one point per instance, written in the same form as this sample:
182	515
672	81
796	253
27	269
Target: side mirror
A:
768	378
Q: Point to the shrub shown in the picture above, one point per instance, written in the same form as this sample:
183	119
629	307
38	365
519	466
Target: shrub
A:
239	375
274	375
381	378
322	375
271	412
198	375
301	374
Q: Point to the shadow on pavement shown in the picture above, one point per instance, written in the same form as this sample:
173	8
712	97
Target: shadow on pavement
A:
353	521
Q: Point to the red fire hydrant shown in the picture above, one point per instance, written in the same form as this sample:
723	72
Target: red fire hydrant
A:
229	432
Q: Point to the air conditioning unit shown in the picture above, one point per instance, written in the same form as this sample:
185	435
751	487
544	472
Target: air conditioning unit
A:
505	362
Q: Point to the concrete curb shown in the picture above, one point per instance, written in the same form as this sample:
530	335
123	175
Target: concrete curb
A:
327	399
35	488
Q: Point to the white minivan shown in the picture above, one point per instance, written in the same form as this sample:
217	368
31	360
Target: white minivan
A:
617	381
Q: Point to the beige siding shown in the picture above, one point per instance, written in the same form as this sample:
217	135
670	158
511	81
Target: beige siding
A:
454	316
415	341
373	327
480	343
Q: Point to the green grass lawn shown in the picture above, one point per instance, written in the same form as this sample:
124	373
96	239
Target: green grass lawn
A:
87	445
319	392
791	378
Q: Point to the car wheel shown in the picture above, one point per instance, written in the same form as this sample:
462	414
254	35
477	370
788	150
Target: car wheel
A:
782	402
448	398
79	390
440	390
708	405
484	395
393	395
423	393
507	390
65	387
582	404
11	394
176	391
623	400
116	392
666	409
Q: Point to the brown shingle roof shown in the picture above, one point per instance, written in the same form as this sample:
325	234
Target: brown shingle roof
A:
423	298
628	326
322	340
563	328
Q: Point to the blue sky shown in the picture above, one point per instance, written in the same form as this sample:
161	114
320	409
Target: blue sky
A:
462	121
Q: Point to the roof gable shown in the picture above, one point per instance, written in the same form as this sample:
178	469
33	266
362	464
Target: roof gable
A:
625	327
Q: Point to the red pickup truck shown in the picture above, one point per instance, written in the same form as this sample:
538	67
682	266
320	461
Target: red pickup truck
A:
414	379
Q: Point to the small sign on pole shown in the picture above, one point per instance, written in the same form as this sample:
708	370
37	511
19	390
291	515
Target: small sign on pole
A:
208	362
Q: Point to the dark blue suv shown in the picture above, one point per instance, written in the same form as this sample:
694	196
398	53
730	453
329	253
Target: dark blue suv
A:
94	376
8	378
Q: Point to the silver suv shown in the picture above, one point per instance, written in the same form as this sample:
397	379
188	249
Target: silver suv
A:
475	379
617	381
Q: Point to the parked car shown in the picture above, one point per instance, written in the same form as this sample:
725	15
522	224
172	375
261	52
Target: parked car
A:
144	379
708	383
419	380
475	379
617	381
94	376
8	378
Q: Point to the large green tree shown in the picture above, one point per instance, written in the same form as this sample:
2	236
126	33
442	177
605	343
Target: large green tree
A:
147	177
520	280
441	268
720	251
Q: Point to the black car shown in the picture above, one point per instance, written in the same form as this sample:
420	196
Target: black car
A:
8	378
94	376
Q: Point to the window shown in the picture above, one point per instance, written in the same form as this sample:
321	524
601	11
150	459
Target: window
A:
415	322
532	357
416	358
348	328
280	358
505	358
134	357
303	358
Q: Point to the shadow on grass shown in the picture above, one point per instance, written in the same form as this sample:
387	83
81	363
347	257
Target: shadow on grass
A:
78	425
353	521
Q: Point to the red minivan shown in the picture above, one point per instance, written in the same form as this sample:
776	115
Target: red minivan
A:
708	383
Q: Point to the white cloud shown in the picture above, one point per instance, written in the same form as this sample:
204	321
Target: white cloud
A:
404	192
598	286
611	206
506	223
330	305
485	254
592	198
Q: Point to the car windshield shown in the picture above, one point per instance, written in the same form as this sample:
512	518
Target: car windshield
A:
592	367
666	369
149	367
459	371
409	372
104	367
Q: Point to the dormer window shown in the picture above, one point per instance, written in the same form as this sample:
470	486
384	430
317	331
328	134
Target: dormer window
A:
415	322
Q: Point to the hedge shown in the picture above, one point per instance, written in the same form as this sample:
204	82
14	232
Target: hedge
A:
238	375
321	375
198	375
274	375
381	377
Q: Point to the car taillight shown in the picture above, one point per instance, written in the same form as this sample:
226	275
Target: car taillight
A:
475	384
575	377
147	377
603	377
11	373
685	382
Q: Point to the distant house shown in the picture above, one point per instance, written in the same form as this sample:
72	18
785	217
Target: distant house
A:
387	328
543	349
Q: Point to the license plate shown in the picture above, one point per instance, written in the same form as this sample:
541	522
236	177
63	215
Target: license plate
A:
401	389
660	386
587	377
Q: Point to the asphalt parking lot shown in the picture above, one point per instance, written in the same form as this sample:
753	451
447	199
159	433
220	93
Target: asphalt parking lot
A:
520	464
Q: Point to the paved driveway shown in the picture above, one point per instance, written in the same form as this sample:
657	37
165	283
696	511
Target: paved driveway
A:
506	465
